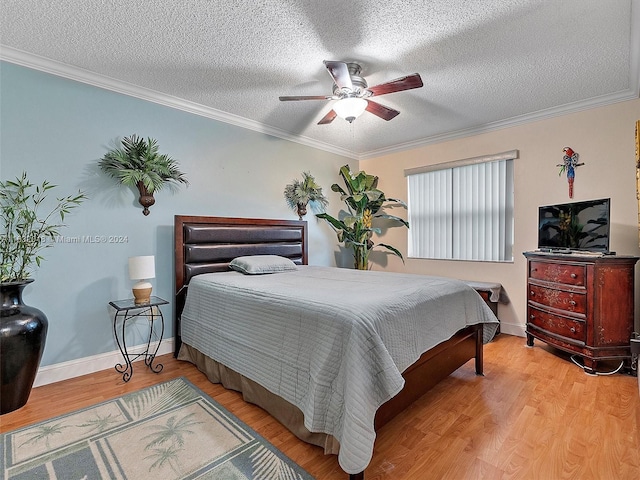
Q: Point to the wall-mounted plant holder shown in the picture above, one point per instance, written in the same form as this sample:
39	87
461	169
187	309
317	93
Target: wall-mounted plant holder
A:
139	164
299	194
146	198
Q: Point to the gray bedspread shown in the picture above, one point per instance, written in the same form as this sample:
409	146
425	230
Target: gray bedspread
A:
331	341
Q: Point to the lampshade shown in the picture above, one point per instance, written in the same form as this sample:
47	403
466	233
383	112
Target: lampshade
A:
142	268
350	108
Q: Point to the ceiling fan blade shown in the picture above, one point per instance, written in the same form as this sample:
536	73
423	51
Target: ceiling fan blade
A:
305	97
381	111
328	118
340	73
397	85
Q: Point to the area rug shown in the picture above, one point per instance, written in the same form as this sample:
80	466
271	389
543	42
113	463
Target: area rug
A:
169	431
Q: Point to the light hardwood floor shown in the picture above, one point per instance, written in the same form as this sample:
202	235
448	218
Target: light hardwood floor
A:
534	415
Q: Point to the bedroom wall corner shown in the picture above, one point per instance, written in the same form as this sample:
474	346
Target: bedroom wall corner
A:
57	129
604	138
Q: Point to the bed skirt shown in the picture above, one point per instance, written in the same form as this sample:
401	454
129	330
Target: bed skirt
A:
286	413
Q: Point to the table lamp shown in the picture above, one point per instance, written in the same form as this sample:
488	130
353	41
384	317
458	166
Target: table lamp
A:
142	269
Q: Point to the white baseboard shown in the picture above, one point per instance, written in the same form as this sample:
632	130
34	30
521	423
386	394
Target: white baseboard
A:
95	363
515	329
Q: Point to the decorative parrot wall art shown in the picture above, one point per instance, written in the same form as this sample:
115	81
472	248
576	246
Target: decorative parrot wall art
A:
569	164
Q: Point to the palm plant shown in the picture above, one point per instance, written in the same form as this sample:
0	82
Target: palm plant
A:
299	194
139	164
364	203
25	230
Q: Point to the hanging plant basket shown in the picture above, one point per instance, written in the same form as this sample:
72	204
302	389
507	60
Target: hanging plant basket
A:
138	164
301	193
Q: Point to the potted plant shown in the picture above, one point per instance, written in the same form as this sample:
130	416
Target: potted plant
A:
25	233
300	193
139	164
364	204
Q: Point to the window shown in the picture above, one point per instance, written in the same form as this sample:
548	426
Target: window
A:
462	210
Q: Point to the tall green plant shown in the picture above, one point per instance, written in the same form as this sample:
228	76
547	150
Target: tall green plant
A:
364	203
25	230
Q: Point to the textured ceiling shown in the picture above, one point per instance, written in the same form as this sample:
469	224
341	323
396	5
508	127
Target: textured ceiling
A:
484	63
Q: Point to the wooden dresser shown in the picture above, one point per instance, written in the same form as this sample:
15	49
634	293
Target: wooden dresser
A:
582	304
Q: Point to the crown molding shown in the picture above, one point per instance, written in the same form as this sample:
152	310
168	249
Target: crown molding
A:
509	122
53	67
36	62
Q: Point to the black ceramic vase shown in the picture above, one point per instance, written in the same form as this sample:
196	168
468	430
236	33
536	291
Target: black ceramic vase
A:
23	332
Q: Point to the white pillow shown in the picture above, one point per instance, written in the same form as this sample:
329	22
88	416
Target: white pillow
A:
260	264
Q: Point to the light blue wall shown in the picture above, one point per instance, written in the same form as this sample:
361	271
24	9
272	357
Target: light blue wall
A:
57	129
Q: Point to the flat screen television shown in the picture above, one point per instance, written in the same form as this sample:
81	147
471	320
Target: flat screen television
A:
575	226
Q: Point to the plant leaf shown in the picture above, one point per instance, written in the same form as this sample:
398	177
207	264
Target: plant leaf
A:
392	249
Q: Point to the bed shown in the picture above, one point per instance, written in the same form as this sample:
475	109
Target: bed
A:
333	368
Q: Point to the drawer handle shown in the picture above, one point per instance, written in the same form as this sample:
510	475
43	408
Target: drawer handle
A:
574	275
532	317
572	303
532	293
572	329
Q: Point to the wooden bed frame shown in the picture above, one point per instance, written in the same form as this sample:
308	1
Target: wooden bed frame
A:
207	244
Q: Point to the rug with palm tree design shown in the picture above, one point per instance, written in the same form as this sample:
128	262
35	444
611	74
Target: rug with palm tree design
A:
169	431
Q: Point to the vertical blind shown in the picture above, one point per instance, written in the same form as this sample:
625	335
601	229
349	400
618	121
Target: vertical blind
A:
462	210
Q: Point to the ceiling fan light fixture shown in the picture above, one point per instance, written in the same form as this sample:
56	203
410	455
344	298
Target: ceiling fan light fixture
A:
350	108
351	92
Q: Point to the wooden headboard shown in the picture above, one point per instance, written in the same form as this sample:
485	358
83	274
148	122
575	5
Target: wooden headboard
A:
208	244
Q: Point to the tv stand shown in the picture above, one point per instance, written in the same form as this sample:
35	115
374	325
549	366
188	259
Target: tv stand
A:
582	304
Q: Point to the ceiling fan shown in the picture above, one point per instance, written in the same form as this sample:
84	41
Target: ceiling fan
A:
353	94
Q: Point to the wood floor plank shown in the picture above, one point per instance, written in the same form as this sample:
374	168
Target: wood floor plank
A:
534	415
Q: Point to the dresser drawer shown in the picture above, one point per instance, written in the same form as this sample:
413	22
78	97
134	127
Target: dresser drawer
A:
557	325
558	273
560	299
